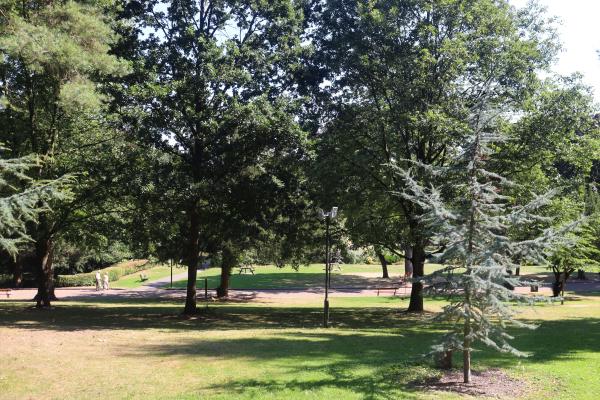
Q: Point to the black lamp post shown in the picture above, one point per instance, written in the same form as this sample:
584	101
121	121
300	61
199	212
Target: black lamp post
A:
327	216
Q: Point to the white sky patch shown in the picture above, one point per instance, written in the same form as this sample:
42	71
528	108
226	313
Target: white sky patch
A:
579	32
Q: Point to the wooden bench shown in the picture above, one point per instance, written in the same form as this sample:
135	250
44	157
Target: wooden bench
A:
395	289
6	292
246	268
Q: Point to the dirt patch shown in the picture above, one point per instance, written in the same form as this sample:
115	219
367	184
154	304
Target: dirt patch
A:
492	383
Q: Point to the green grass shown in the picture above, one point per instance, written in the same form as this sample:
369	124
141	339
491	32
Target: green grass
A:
271	277
137	348
153	273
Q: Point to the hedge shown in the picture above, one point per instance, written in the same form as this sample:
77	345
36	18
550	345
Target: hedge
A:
114	273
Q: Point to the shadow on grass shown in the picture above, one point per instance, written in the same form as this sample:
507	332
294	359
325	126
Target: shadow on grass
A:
115	314
366	352
373	365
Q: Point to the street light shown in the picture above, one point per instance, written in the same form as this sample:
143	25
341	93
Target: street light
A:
327	216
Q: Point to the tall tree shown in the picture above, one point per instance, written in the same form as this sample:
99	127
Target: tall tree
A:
212	91
400	79
51	54
22	200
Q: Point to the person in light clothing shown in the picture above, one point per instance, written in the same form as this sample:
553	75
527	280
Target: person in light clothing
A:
98	281
105	281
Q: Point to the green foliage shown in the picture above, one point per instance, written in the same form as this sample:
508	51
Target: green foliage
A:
53	56
398	82
114	273
81	257
22	199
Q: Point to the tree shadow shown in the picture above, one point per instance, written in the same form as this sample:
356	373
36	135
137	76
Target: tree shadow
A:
366	350
382	353
143	313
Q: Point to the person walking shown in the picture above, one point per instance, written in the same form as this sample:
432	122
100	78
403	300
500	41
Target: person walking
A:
98	281
105	281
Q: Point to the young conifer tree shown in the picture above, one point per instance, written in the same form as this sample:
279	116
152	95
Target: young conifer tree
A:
473	232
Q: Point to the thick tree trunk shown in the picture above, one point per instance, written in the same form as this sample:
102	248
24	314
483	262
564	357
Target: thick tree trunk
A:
223	289
193	260
416	293
227	265
44	250
384	265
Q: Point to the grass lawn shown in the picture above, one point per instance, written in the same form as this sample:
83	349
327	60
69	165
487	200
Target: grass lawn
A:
141	349
154	272
271	277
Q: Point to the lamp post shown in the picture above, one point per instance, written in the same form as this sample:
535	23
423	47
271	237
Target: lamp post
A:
327	216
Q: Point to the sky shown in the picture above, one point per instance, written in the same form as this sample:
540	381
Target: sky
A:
579	32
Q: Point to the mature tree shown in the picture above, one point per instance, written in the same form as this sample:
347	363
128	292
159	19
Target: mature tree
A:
402	78
211	91
22	200
50	53
555	144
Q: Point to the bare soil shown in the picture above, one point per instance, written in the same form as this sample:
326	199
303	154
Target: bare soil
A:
492	383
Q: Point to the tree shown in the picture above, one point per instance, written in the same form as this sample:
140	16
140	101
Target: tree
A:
582	253
22	200
474	231
212	90
399	79
53	54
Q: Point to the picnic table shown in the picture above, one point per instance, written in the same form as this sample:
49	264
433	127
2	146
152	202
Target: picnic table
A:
246	268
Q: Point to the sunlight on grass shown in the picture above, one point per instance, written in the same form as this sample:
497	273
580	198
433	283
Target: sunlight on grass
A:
266	351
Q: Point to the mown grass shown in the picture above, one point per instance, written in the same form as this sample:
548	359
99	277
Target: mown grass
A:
271	277
154	272
137	348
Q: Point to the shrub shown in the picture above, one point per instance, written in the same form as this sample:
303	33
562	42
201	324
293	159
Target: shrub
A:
114	273
5	281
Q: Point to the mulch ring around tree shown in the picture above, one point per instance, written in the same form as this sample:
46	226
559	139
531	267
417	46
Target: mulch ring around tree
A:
492	383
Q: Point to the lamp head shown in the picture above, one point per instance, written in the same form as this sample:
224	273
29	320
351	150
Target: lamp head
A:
321	213
334	211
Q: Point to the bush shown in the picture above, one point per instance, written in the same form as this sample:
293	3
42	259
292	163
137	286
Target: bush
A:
114	273
5	281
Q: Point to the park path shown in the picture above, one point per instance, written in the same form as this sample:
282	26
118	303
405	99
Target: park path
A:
156	290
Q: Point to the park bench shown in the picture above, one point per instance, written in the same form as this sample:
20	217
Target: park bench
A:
5	292
246	268
395	289
143	277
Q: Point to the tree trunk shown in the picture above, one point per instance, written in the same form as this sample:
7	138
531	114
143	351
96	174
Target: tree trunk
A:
518	271
408	265
44	251
467	333
227	264
416	293
384	265
467	364
193	261
18	272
